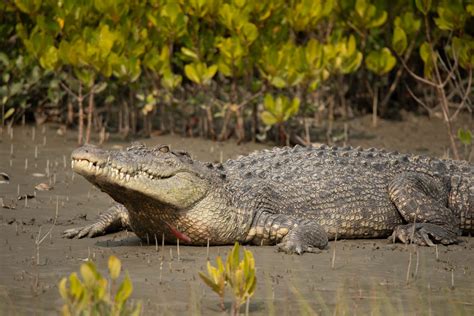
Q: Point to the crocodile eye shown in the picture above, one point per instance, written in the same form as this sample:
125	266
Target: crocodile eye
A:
164	149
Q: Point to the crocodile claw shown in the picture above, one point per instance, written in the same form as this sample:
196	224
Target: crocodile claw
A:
291	247
92	230
424	234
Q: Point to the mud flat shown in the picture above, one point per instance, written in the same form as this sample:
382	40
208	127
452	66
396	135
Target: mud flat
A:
360	277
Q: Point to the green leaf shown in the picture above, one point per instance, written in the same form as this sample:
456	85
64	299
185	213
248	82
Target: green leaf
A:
423	6
192	74
470	9
63	289
381	61
88	274
98	89
170	80
378	20
249	32
210	283
408	22
9	113
171	10
87	77
50	58
399	40
76	286
278	82
465	136
425	52
452	16
268	102
463	49
106	40
28	6
268	118
211	71
114	267
125	290
427	55
189	53
351	63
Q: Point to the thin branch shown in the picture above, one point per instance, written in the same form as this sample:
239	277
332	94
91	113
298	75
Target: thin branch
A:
418	100
414	75
398	75
465	97
40	241
249	99
68	90
451	72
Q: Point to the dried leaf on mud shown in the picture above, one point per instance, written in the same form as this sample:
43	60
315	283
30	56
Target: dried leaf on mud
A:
4	178
43	187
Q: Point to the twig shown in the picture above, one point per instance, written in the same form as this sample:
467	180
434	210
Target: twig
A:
334	252
414	75
418	100
465	97
417	262
39	240
408	270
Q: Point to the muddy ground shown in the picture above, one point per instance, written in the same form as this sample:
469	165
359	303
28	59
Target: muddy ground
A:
368	276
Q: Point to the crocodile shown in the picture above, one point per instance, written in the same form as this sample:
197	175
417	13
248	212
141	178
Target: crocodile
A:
297	198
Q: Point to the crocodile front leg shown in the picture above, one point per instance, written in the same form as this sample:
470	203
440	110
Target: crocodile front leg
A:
113	220
290	234
422	201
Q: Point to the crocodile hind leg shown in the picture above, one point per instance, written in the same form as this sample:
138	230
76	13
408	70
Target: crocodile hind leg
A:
291	235
422	201
113	220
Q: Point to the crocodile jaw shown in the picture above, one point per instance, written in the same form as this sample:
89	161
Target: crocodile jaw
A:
179	189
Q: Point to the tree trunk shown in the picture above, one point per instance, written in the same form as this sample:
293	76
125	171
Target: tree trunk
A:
126	120
81	116
254	122
90	111
70	113
240	131
223	133
210	122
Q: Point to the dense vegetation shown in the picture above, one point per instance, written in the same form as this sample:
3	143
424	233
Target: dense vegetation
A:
223	68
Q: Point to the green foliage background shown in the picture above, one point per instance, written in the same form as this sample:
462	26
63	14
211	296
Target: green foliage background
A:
221	63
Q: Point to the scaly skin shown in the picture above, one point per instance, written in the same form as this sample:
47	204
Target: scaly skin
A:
297	198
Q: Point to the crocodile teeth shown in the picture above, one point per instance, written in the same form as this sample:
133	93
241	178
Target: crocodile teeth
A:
127	177
90	164
72	164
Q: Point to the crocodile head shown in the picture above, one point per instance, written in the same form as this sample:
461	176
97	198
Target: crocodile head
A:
142	175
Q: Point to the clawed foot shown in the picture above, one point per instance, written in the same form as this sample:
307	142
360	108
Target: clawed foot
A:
291	247
93	230
424	234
